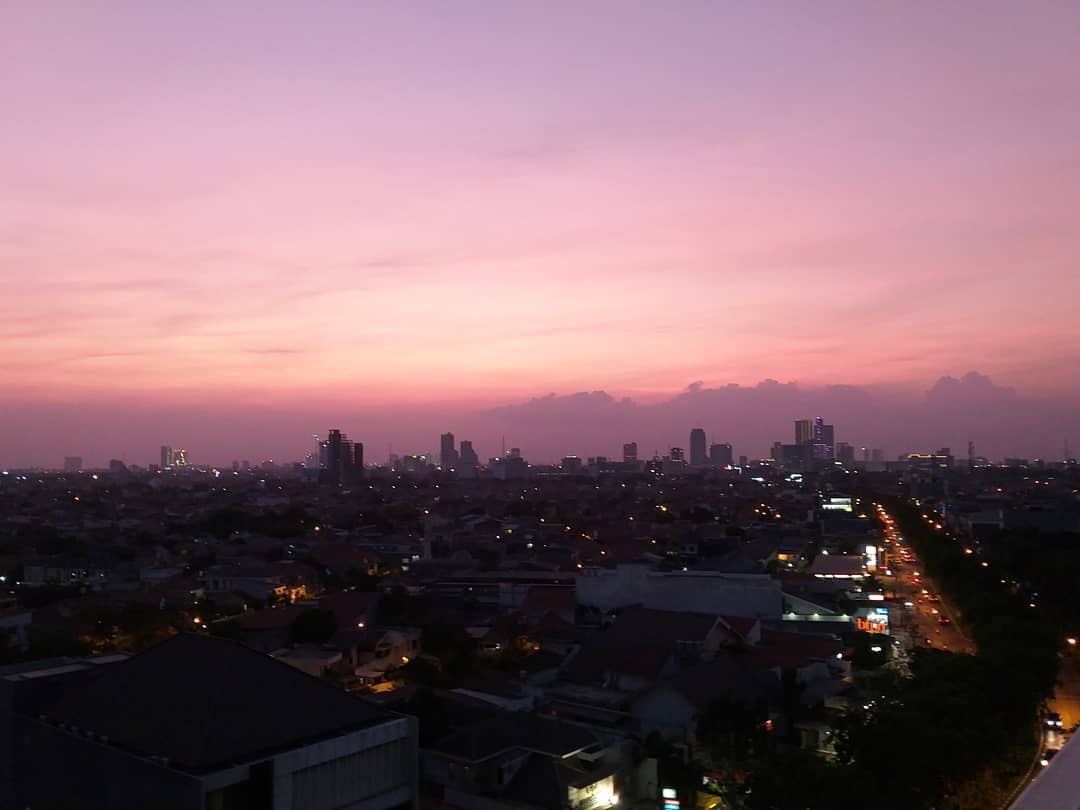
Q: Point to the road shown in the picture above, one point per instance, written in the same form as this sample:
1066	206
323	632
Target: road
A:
920	616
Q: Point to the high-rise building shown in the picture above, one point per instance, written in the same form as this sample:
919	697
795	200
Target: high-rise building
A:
845	453
180	457
804	431
448	456
467	456
629	452
342	457
166	456
678	454
72	464
720	455
698	457
571	465
816	437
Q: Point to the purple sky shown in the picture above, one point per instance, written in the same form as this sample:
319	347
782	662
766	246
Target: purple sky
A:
230	225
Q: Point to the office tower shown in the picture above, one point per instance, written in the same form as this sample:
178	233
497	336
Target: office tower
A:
866	455
339	459
166	456
819	430
180	457
335	454
629	452
448	456
804	431
828	437
678	454
720	455
845	453
571	465
744	461
72	464
698	456
358	458
467	456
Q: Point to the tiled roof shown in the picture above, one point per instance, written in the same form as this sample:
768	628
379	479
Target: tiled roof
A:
514	730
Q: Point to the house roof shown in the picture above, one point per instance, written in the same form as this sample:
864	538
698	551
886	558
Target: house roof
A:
507	731
607	653
640	642
542	599
636	623
348	606
725	677
792	650
275	618
742	625
543	782
205	703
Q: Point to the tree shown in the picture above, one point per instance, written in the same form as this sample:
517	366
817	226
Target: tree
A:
870	650
732	729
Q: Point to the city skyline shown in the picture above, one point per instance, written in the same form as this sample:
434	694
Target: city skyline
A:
999	421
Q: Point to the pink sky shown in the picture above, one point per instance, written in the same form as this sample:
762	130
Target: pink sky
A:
379	204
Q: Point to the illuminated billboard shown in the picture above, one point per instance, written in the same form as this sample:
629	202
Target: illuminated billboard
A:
837	503
876	621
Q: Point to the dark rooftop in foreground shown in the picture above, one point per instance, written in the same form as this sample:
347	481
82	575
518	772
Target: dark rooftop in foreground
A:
204	703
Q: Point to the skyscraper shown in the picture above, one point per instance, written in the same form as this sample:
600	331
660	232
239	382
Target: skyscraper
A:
720	455
804	431
166	456
448	456
698	457
342	457
629	452
467	456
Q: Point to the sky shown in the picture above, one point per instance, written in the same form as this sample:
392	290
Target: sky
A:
267	217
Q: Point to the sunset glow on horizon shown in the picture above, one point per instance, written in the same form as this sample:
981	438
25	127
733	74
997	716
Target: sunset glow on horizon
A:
481	202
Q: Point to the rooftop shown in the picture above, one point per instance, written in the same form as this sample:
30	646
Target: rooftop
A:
205	703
